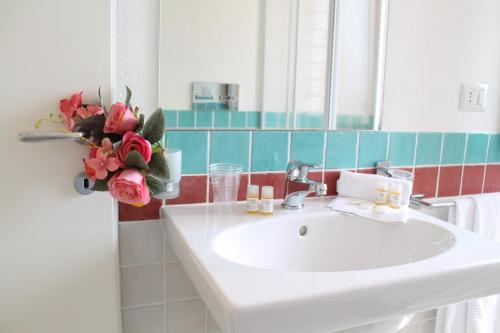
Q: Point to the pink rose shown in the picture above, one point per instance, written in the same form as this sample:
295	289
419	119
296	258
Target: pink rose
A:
129	186
120	119
133	141
69	106
89	111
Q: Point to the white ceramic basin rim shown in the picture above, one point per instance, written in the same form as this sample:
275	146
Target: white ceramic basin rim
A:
323	243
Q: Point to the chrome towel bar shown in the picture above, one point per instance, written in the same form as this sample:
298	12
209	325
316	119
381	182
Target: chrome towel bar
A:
41	136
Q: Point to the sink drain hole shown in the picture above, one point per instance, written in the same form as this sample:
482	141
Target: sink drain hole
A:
302	231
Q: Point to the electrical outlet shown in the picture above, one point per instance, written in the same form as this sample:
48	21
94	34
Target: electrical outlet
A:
473	97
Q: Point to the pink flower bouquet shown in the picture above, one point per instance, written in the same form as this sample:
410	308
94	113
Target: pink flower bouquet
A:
126	157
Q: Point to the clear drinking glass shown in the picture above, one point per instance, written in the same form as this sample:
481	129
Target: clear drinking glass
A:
225	180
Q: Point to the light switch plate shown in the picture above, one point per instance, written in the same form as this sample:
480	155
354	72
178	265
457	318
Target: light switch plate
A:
473	97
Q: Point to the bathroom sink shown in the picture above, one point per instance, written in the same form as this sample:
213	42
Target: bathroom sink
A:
318	271
321	243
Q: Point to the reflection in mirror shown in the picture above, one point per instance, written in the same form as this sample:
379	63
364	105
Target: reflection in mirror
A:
273	64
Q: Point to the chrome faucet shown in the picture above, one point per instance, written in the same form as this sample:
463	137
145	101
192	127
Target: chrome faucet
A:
297	172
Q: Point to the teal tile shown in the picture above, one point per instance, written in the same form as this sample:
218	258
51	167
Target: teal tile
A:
372	148
170	118
477	147
281	120
221	119
453	148
253	119
230	147
269	150
307	146
186	119
204	119
402	149
494	150
238	119
270	120
428	148
341	150
194	149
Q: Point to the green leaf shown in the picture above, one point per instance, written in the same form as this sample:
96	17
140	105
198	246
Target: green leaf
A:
154	129
158	166
140	125
155	185
129	96
134	159
101	185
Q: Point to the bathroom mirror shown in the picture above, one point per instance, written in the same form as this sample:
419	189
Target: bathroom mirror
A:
272	64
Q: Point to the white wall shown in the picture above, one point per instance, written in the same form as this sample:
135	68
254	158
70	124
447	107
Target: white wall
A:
433	46
58	249
214	41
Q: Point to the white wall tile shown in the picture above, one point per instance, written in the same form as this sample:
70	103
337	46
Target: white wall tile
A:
212	326
428	326
169	254
186	317
144	320
177	283
411	328
140	242
142	285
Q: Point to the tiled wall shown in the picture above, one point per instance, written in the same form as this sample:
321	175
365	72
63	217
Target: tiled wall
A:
157	295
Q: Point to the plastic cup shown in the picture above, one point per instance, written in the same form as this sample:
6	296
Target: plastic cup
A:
225	180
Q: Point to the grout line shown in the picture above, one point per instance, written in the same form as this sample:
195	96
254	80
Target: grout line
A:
439	166
185	299
323	168
463	165
206	319
388	146
209	151
415	155
195	120
145	305
486	163
177	119
289	145
250	154
142	265
356	163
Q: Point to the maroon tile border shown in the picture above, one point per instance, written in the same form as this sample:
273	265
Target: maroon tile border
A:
492	179
130	213
277	180
472	179
425	181
449	181
193	190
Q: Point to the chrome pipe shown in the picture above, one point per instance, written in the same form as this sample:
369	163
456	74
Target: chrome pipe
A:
41	136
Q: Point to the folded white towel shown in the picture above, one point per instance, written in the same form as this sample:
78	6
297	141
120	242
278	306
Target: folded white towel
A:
369	210
364	186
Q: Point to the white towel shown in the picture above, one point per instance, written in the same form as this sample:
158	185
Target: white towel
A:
345	205
364	186
480	214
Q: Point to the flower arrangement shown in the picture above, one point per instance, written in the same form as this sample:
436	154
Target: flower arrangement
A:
126	157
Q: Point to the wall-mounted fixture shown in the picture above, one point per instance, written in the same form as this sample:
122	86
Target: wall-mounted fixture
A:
473	97
210	95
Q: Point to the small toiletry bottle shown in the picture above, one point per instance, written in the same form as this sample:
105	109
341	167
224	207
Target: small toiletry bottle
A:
253	199
395	195
381	193
267	200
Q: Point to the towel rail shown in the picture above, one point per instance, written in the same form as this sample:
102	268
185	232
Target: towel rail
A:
419	202
40	136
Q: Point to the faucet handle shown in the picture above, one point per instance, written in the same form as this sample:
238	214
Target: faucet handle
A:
297	170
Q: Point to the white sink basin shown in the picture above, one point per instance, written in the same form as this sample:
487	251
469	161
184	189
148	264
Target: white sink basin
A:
259	274
321	243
